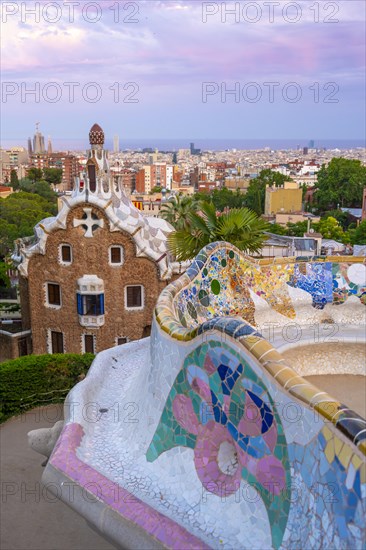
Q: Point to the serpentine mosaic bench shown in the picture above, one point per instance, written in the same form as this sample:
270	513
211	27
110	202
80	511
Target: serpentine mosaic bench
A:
202	436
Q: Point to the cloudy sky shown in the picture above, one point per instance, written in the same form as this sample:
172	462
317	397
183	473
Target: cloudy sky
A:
164	69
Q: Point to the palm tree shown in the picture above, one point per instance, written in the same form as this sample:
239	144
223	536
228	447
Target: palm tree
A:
176	210
239	226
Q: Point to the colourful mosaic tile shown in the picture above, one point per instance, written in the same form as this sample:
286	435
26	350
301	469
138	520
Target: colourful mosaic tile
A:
217	293
218	405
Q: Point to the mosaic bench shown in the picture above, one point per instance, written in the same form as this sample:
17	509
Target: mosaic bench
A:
202	436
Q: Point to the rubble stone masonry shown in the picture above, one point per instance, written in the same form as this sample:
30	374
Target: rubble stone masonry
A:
90	256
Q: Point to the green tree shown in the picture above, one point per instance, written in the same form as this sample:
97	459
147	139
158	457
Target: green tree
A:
296	229
39	187
345	219
156	189
330	228
25	184
358	235
8	234
43	189
4	277
340	184
14	180
19	213
277	229
176	210
53	175
34	174
223	198
240	227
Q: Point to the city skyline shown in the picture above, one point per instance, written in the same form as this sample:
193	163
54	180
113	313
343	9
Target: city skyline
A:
163	70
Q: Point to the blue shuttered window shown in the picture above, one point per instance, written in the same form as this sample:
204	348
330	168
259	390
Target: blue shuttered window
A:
90	304
80	304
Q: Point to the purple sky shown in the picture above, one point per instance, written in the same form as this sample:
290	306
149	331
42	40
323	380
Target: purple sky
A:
169	52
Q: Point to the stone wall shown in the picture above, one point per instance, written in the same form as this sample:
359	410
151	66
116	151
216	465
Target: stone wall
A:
90	257
13	346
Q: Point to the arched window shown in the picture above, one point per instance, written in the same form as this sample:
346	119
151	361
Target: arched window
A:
65	254
116	255
92	178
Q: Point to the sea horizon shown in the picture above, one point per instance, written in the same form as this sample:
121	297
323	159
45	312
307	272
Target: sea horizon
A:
205	144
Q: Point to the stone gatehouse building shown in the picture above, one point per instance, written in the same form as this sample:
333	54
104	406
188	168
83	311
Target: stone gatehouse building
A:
90	278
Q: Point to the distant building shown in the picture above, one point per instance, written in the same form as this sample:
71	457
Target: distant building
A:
5	167
153	158
128	180
49	146
5	191
14	158
116	144
90	278
284	199
38	142
41	158
284	246
355	213
295	217
233	183
69	165
66	162
183	154
140	181
193	150
158	174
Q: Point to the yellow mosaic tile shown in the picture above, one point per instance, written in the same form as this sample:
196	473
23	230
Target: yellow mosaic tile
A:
286	374
338	444
274	368
297	380
320	397
356	461
362	447
363	473
272	355
329	451
265	262
345	455
260	348
327	433
327	409
305	392
249	341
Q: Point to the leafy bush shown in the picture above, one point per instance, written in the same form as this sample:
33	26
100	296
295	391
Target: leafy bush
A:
35	380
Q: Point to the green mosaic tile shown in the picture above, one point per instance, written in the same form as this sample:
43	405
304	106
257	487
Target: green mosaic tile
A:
215	286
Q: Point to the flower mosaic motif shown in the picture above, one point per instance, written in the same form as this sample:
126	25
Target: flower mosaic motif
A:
220	408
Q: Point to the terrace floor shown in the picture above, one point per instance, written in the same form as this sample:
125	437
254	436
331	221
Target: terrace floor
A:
31	519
